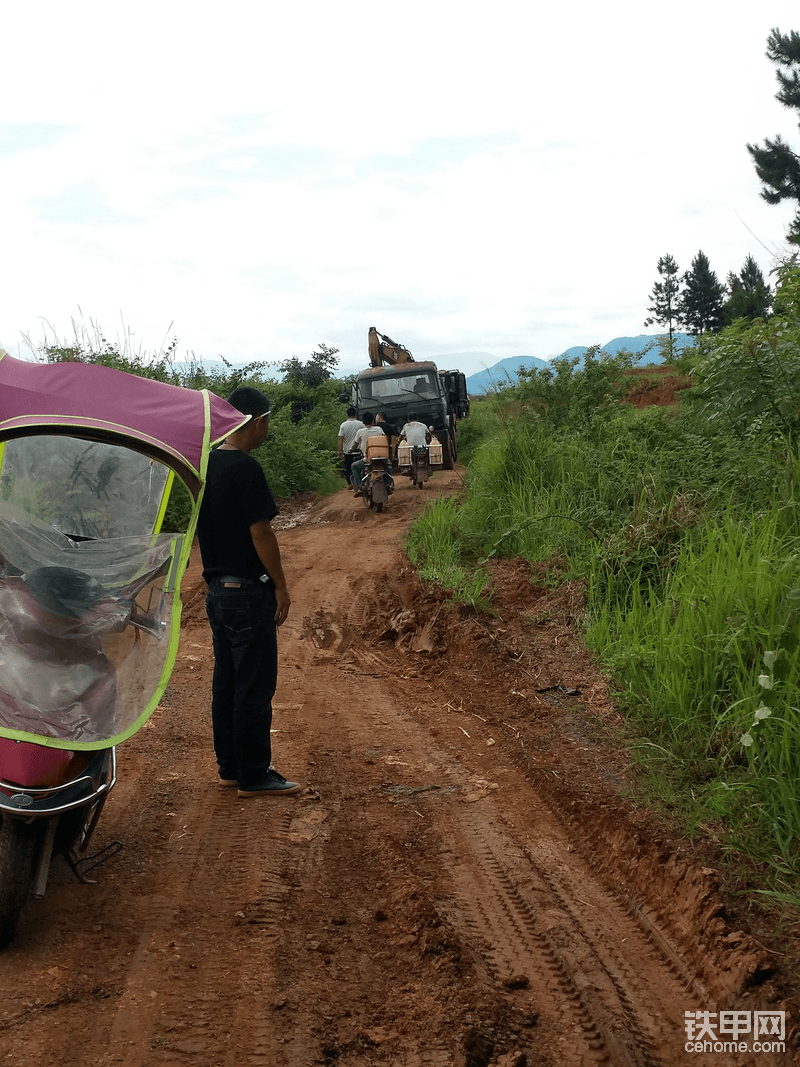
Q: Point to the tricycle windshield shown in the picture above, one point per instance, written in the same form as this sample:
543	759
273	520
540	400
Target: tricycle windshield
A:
84	630
89	593
83	488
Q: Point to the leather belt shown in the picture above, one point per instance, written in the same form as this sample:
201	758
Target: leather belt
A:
233	579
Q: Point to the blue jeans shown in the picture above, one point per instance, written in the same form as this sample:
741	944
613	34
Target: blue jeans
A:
245	675
357	471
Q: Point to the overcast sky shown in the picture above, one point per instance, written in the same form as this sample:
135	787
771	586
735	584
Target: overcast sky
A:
257	178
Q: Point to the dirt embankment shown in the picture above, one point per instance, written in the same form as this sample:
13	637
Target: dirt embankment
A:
460	883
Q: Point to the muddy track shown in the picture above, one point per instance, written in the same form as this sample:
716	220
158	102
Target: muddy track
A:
458	883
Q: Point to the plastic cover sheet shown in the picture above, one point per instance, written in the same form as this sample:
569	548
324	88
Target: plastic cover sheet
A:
83	629
83	488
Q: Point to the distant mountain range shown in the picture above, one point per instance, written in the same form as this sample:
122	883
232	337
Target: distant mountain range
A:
504	373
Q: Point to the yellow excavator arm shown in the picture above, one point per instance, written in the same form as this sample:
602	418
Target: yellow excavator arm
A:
383	349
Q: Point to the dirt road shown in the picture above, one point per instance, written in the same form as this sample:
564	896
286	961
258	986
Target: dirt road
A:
458	884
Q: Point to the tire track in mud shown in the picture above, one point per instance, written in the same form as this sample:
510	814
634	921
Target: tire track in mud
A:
527	915
205	965
587	959
584	991
595	963
528	943
205	934
196	950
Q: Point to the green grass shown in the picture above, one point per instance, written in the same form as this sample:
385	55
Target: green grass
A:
687	537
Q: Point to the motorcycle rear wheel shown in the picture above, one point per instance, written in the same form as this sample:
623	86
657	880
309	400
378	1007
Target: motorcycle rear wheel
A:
17	847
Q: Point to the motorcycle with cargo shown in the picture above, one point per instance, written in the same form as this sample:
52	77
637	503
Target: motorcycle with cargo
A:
418	462
377	483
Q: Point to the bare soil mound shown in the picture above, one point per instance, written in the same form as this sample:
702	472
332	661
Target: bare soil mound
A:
655	386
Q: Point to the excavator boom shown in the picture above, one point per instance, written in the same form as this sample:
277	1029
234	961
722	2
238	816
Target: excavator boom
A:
383	350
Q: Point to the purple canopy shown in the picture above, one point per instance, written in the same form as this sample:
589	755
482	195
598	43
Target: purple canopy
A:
174	425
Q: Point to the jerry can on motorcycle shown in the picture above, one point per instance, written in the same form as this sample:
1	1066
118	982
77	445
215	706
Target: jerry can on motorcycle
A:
435	452
376	447
89	592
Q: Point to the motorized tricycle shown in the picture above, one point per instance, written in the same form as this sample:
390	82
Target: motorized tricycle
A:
89	593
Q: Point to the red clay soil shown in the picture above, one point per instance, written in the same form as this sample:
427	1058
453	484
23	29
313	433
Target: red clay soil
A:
460	882
657	386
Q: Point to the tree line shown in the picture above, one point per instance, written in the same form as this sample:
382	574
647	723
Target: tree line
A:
697	301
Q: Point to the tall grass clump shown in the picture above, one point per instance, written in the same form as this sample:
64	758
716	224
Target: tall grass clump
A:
484	423
435	546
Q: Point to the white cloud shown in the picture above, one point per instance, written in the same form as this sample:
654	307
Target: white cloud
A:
269	176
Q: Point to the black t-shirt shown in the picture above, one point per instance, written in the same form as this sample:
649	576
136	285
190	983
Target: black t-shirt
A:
236	497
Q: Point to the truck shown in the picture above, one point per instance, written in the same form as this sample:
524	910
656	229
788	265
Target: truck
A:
398	385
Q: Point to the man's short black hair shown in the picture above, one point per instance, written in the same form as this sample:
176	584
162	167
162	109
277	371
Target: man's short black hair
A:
351	412
250	401
412	417
368	418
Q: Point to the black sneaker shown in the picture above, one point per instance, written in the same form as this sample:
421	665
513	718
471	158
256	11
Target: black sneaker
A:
275	785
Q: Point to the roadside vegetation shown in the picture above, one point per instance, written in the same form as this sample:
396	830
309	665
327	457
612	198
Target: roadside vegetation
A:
300	453
682	522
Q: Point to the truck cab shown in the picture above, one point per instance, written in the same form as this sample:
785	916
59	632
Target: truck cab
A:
409	388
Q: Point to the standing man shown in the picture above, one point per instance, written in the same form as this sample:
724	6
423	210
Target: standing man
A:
247	600
347	434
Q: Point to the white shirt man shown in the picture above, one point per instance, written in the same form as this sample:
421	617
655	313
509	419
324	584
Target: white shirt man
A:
347	435
368	430
414	433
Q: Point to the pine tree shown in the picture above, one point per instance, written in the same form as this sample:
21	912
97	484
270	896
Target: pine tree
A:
666	299
702	300
776	164
749	296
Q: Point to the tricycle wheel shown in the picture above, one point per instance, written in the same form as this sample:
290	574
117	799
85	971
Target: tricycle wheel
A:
17	846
